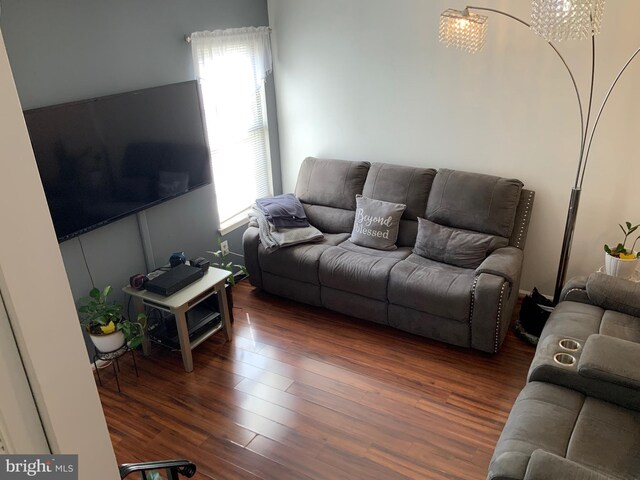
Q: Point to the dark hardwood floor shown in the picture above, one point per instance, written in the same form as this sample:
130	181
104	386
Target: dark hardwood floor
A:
304	393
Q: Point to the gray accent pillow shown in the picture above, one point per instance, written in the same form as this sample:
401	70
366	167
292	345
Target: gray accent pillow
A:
455	246
376	224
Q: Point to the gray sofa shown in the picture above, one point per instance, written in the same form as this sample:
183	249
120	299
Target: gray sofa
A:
580	419
469	307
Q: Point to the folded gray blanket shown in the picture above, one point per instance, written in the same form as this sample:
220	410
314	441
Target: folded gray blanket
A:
273	238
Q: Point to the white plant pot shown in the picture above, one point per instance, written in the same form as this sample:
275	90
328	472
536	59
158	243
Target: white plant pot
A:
108	343
618	267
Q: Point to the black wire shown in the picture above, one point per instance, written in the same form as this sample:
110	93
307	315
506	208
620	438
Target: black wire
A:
84	257
129	308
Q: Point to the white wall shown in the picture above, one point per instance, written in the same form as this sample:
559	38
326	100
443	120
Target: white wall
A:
38	301
368	80
20	427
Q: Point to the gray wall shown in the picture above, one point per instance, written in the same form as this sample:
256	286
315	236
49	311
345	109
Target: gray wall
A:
74	49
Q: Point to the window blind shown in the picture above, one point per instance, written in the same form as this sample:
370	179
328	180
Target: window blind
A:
231	66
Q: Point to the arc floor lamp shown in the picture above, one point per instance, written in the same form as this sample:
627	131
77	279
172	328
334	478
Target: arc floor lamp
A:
553	20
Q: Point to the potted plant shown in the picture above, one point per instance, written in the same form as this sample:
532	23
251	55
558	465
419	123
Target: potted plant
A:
108	328
223	262
621	261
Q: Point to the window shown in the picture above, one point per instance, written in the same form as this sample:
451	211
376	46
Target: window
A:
231	66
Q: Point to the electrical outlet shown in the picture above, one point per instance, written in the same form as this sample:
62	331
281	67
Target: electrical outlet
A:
224	247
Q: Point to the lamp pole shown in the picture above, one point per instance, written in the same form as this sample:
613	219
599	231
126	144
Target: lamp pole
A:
585	147
577	189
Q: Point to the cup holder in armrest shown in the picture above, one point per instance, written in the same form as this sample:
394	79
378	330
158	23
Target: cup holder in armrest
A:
564	359
569	344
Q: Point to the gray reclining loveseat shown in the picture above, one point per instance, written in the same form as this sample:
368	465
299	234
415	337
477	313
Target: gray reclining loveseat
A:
461	292
579	415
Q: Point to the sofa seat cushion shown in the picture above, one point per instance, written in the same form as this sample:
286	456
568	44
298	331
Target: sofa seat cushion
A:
360	270
606	438
561	421
543	416
298	262
432	287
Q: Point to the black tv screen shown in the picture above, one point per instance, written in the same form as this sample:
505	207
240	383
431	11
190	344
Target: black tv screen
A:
108	157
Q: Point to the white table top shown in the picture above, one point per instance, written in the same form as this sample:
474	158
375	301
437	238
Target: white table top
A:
212	278
635	277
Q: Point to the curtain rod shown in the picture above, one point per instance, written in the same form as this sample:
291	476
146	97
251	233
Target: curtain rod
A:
187	37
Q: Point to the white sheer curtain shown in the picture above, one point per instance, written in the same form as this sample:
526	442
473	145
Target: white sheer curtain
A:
231	67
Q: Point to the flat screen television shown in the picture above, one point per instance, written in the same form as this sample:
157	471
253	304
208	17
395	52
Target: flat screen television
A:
108	157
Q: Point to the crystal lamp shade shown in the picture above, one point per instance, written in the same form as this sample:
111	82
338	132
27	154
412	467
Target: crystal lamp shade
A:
557	20
463	30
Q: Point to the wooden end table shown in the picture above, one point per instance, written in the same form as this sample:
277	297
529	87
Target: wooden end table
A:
213	282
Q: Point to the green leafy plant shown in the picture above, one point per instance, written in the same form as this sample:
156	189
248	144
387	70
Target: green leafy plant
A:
620	251
226	264
101	317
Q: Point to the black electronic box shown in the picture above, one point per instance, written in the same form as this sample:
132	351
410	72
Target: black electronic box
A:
173	280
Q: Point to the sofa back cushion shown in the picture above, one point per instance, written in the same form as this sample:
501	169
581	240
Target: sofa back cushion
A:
614	293
328	189
401	184
331	183
473	201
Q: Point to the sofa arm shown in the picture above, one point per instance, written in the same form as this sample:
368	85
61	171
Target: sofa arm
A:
575	290
602	368
614	293
251	244
503	262
612	360
493	296
544	465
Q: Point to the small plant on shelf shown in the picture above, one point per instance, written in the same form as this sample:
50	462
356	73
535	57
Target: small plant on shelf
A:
223	262
620	251
622	261
107	326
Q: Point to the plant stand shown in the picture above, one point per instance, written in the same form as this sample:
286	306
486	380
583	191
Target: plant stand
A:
113	358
